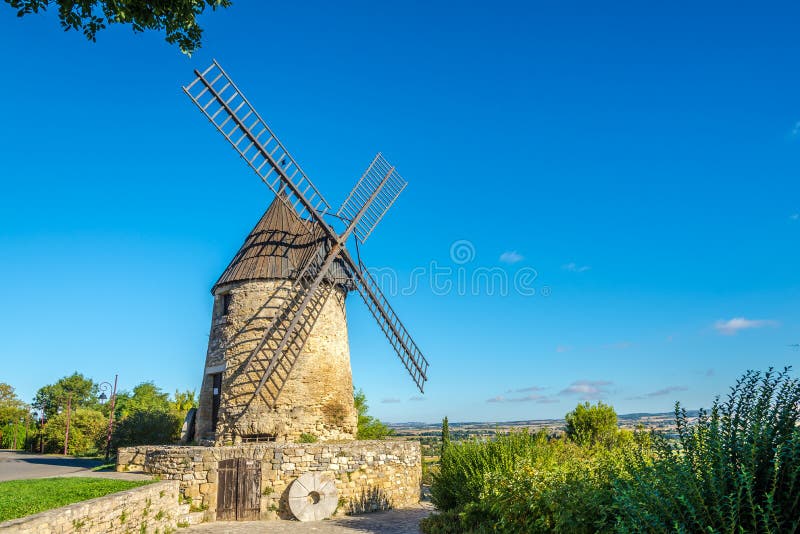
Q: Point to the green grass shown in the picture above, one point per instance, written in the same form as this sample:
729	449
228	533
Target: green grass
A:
19	498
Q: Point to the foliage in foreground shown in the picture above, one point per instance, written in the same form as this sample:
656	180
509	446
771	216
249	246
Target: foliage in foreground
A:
523	482
736	469
19	498
177	17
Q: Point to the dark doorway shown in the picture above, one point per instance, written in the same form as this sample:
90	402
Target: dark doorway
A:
239	493
216	380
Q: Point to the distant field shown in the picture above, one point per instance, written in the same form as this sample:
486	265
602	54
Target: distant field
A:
19	498
429	434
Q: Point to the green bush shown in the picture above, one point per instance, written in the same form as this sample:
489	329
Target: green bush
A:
592	424
87	432
147	427
524	483
307	438
736	469
464	466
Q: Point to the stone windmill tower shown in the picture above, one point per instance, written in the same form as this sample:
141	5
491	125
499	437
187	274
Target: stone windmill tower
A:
278	362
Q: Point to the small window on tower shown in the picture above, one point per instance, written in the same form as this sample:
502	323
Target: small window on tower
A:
225	304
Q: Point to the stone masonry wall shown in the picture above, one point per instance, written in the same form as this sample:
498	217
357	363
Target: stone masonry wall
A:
369	475
151	508
317	397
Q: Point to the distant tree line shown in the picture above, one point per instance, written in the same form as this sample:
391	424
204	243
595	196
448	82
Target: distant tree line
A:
144	415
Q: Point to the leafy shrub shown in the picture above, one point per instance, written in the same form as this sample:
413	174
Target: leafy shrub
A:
524	483
464	466
737	469
147	427
87	431
592	424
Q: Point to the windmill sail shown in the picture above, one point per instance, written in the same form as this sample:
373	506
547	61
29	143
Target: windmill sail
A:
236	119
364	189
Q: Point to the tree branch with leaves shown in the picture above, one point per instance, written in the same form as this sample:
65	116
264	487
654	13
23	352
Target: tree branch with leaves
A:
178	18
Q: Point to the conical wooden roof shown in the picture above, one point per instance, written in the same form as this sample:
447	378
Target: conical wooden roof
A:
278	248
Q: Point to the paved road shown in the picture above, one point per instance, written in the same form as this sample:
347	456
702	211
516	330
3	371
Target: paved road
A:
405	521
18	465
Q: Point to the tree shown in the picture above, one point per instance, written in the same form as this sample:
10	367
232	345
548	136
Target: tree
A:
445	435
54	396
87	431
147	415
592	424
183	401
368	427
177	17
11	407
144	397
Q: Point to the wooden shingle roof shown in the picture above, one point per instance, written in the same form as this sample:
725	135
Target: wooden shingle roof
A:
278	248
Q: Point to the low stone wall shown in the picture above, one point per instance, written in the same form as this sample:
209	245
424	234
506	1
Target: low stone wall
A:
369	475
151	508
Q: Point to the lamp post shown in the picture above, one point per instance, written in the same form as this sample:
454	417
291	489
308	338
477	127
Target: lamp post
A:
66	432
105	386
41	431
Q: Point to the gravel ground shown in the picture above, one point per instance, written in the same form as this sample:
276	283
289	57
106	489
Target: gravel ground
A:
403	521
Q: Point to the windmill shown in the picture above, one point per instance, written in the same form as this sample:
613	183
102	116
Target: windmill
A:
296	267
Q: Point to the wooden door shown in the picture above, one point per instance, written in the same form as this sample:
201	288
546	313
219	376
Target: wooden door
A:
248	495
226	490
239	490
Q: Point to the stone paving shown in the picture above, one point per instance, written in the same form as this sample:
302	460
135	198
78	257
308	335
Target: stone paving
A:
15	465
402	521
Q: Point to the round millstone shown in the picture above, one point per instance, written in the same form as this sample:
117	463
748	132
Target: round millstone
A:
313	497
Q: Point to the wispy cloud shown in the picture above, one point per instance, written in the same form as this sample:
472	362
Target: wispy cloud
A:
529	389
417	398
733	326
587	389
619	345
575	268
390	400
563	348
511	257
659	392
795	216
539	399
796	129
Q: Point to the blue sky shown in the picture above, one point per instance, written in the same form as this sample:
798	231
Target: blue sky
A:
641	159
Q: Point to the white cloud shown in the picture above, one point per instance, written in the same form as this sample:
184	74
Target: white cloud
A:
563	348
390	400
511	256
531	388
587	389
417	398
796	129
733	326
499	398
659	392
575	268
794	216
